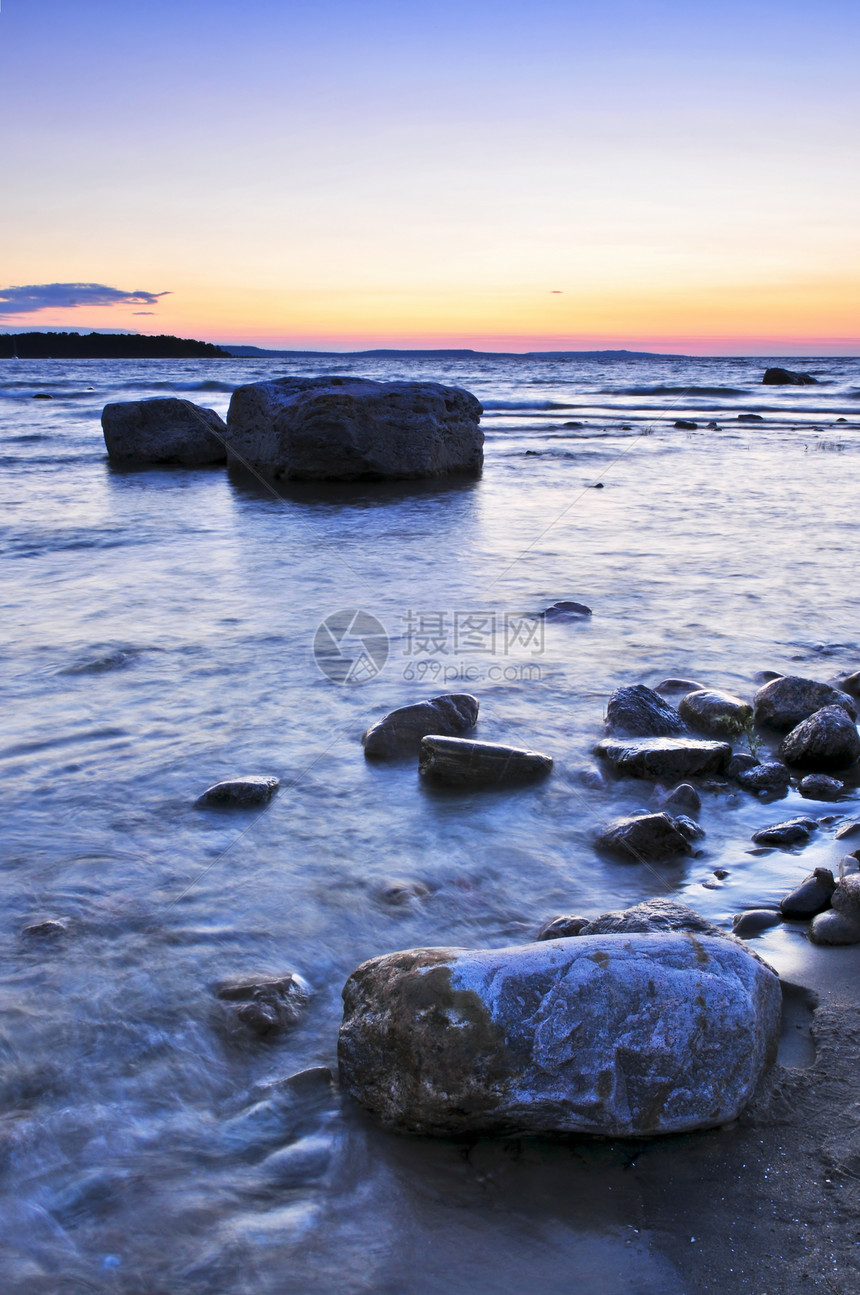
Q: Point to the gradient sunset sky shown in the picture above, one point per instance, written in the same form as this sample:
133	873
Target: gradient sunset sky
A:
348	173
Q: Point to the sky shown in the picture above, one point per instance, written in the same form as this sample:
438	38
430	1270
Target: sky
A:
337	174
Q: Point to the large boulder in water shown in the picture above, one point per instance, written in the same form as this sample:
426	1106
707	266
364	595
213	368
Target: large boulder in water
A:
827	740
787	378
163	431
788	700
400	732
620	1035
641	712
348	429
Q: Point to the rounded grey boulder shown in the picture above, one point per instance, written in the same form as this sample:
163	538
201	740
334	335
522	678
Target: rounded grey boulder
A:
163	431
812	896
617	1035
827	740
641	712
716	713
400	732
240	793
788	700
349	429
644	837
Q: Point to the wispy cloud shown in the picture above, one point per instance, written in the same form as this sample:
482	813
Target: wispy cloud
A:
28	299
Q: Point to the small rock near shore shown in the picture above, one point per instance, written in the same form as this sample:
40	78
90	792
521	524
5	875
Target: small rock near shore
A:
827	740
240	793
819	786
641	712
841	925
678	686
851	684
460	762
400	732
682	799
665	759
718	714
773	777
562	928
644	837
754	921
651	917
266	1006
812	896
794	831
788	700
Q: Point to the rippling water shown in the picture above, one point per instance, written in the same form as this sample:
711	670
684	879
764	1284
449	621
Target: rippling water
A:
159	628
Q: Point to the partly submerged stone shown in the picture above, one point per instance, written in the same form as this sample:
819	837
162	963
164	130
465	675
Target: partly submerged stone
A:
562	927
347	428
463	763
717	713
682	799
754	921
674	687
651	917
772	777
619	1035
665	758
240	793
265	1006
841	924
827	740
812	896
794	831
400	732
819	786
641	712
788	700
164	430
566	611
644	837
777	377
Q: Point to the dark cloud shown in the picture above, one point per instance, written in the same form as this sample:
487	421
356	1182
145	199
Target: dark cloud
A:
61	296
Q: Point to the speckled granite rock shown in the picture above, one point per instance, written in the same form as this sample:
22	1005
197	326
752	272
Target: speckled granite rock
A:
620	1035
400	732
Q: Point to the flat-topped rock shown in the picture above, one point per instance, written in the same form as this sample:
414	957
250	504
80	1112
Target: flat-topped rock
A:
638	711
793	831
665	758
460	762
777	377
349	429
240	793
617	1035
826	741
644	837
788	700
163	430
717	713
400	732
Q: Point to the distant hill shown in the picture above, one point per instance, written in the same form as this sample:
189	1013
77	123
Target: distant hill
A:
242	352
104	346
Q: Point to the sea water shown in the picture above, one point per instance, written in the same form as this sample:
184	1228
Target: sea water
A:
159	632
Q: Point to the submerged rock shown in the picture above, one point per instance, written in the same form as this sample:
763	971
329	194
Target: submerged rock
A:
675	686
787	378
794	831
617	1035
562	928
240	793
827	740
347	428
716	713
754	921
818	786
773	777
566	611
683	799
163	431
461	762
665	758
644	837
788	700
401	731
641	712
267	1006
50	928
812	896
841	925
399	892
